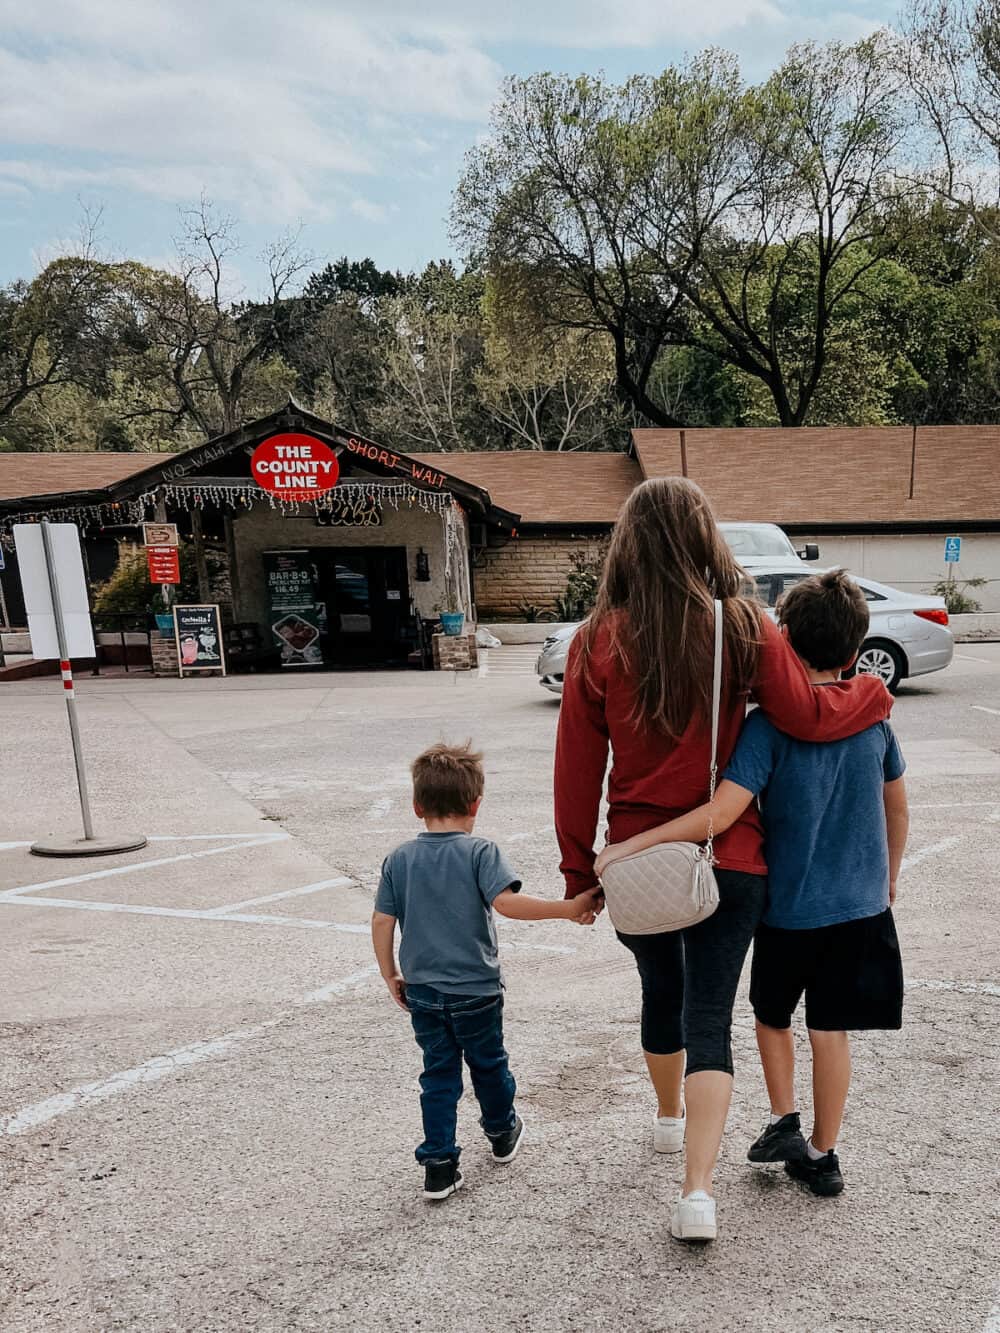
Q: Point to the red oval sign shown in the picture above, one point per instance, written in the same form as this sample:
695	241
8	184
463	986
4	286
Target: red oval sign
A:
294	466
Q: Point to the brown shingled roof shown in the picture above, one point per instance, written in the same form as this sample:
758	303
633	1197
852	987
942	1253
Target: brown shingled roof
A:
572	487
24	474
828	475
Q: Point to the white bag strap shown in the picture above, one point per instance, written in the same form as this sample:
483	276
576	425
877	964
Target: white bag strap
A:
713	772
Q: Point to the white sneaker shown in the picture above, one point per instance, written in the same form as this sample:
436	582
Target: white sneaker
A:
694	1217
668	1133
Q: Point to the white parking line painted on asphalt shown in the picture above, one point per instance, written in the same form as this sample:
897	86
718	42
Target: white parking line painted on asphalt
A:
992	1324
981	708
960	987
265	841
9	846
276	835
185	913
380	808
923	853
151	1071
286	893
337	987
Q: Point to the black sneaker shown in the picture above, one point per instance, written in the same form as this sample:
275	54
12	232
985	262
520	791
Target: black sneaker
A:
505	1145
822	1176
441	1179
781	1142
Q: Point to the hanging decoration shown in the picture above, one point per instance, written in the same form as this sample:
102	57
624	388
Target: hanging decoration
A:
352	494
122	514
355	498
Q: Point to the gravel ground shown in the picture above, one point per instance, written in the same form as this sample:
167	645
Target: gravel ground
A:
209	1101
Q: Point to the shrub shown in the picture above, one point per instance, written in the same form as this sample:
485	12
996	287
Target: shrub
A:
129	590
954	593
581	585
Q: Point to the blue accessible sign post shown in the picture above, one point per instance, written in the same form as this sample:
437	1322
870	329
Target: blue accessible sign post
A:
952	550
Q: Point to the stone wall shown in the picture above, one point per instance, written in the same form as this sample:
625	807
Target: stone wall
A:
528	570
454	652
164	652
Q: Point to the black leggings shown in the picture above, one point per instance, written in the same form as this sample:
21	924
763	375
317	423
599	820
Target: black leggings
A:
689	977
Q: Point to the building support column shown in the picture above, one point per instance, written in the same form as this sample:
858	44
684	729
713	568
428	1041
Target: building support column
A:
234	568
200	563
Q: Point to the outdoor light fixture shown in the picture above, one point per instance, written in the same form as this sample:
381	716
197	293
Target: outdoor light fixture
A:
423	567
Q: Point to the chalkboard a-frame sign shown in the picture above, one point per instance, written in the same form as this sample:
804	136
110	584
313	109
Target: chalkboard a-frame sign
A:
198	632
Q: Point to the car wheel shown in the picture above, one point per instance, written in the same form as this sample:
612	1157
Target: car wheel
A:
881	659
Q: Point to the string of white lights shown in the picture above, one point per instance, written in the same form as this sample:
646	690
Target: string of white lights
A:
356	499
246	495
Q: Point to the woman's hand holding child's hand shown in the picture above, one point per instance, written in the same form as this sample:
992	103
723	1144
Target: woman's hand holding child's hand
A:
586	907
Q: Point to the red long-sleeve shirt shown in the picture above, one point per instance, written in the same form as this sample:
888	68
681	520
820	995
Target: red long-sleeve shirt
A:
654	779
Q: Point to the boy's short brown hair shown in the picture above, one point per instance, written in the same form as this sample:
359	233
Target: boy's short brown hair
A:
447	780
827	619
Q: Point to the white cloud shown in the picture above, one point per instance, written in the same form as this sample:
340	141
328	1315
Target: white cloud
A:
269	108
281	111
370	211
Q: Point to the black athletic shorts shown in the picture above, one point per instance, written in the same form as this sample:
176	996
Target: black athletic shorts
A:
851	975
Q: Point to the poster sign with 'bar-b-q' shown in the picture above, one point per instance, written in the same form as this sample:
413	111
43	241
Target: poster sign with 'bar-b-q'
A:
58	608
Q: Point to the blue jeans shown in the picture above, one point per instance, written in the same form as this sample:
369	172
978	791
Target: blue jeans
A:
448	1027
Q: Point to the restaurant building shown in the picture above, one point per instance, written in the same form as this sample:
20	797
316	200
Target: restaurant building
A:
344	576
355	574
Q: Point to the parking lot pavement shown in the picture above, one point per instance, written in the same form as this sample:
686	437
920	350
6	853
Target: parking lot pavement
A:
208	1102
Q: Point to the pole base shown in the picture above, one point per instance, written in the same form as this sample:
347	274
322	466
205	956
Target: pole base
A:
87	846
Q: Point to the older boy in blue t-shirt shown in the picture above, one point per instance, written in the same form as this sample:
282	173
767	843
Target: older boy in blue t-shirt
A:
835	825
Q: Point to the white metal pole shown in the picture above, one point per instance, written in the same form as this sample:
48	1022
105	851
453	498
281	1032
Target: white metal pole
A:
67	677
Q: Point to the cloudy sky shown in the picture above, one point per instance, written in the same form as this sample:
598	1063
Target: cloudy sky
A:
349	116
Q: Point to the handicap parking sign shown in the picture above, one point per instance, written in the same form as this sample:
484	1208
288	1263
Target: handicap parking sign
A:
952	550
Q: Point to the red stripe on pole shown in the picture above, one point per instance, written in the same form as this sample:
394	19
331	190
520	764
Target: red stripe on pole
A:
68	685
64	666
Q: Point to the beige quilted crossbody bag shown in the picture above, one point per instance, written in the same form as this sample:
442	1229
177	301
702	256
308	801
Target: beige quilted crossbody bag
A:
672	885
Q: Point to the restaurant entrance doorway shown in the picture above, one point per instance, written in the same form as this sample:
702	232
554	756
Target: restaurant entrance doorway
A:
368	616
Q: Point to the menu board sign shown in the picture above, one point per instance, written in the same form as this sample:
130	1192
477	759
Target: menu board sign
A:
198	630
164	564
295	615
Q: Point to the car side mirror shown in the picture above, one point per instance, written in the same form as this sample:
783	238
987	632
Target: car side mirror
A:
809	552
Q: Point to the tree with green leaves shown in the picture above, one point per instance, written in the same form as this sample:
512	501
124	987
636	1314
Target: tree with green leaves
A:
59	329
692	210
546	389
433	349
207	357
949	55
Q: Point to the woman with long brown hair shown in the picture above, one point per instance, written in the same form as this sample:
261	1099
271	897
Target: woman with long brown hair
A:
639	681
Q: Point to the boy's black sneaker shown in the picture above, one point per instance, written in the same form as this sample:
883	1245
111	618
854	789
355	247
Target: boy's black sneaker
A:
780	1142
822	1176
505	1145
441	1179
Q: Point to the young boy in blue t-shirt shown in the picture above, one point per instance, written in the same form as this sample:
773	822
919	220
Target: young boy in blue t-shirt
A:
442	888
835	825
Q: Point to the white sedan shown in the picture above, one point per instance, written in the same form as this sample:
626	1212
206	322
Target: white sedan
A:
908	634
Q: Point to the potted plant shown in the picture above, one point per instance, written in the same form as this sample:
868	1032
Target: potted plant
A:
453	619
